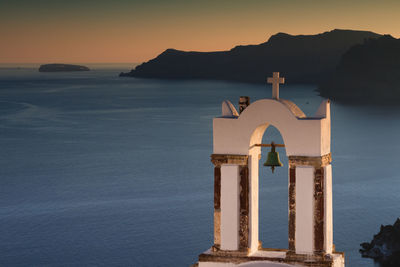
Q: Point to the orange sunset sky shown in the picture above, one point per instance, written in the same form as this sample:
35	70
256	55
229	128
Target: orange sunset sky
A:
45	31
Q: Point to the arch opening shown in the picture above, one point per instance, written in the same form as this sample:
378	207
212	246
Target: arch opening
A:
269	191
273	195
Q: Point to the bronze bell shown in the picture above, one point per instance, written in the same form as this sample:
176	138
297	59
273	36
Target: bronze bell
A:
273	159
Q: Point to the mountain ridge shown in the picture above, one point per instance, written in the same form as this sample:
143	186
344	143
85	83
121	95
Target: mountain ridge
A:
300	58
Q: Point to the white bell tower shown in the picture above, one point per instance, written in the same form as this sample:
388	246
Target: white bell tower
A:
237	149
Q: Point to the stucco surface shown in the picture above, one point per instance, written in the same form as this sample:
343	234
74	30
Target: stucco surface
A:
302	135
229	207
304	210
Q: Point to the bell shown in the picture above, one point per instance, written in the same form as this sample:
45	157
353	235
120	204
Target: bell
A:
273	159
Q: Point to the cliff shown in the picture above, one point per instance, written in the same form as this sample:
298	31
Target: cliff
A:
62	67
300	58
368	72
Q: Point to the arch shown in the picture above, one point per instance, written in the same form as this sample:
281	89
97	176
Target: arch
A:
235	135
258	116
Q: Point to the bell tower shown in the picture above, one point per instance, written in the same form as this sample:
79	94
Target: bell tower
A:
236	153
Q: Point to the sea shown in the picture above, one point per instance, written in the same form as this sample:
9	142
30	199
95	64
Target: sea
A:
101	170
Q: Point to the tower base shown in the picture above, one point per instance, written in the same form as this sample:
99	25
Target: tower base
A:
266	257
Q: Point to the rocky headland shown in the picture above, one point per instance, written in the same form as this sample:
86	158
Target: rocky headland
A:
356	67
62	67
300	58
385	246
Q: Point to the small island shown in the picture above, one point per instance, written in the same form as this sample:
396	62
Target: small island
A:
62	67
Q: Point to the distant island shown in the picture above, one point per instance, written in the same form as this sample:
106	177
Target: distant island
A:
300	58
62	67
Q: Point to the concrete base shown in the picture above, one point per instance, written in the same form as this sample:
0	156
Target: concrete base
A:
265	257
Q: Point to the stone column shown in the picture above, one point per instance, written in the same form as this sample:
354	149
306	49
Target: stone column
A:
231	202
244	226
310	205
217	206
254	158
292	208
328	226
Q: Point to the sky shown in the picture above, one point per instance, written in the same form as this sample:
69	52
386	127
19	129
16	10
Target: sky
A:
130	31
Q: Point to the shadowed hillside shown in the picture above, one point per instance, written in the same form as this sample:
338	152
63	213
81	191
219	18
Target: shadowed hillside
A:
300	58
369	72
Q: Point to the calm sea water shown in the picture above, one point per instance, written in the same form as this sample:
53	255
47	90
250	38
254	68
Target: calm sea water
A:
98	170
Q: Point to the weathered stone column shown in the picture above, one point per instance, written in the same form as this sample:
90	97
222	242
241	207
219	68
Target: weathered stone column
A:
310	205
244	226
292	208
217	207
231	202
